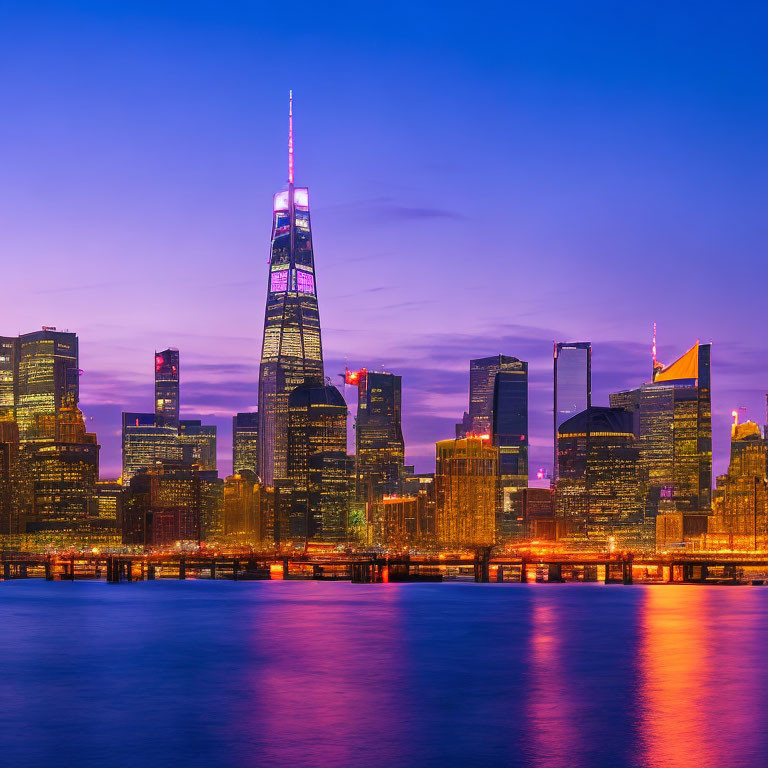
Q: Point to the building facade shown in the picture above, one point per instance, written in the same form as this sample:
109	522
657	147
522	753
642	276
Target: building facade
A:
37	372
672	416
245	443
315	498
167	388
379	444
597	491
572	384
510	436
291	349
466	491
482	380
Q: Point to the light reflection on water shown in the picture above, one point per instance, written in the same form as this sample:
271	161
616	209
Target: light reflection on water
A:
315	674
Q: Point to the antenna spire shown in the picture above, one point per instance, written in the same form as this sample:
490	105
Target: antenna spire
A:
657	366
290	137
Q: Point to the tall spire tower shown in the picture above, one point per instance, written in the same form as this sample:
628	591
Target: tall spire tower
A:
291	350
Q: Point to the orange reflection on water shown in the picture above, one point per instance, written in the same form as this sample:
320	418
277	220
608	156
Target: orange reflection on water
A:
555	728
698	699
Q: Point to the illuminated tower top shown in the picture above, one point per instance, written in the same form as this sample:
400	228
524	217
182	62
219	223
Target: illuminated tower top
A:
290	137
291	349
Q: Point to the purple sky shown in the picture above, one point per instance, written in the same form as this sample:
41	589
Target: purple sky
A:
480	183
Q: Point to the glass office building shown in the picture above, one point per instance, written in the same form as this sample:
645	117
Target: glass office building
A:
673	418
379	445
37	372
245	443
167	388
291	349
573	385
317	502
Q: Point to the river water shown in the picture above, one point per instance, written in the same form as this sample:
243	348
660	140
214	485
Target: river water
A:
201	673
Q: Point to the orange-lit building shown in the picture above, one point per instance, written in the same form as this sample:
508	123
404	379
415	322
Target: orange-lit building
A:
466	487
740	508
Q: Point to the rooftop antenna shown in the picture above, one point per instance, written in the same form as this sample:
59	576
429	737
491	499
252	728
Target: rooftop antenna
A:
657	366
290	137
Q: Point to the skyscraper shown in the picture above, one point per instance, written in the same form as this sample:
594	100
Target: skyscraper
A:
291	348
510	436
510	421
167	388
466	485
8	352
245	443
673	418
318	480
379	445
161	436
63	472
482	378
573	384
198	444
11	478
37	372
597	488
740	506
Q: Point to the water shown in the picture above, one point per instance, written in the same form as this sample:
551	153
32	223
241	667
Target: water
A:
185	673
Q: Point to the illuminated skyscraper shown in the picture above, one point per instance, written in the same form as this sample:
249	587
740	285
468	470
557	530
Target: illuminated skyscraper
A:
740	507
198	444
673	418
482	379
245	443
379	445
63	472
318	478
8	353
172	502
510	422
573	384
597	492
144	443
167	388
161	436
466	486
11	479
291	348
43	368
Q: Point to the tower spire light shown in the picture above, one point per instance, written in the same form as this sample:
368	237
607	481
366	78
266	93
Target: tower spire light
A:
290	137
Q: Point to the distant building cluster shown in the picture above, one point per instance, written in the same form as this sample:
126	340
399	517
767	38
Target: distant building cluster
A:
636	473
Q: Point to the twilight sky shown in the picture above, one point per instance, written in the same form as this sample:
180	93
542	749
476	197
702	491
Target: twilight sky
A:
482	180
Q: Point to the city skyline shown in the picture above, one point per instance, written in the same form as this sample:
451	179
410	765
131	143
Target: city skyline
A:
395	239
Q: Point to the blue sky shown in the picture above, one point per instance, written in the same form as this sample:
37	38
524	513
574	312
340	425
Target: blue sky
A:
483	180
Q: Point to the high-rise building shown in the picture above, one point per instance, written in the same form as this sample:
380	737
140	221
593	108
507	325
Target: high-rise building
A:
172	502
63	472
573	384
144	443
482	381
291	350
673	418
740	506
245	443
316	504
167	388
466	490
597	493
162	436
379	445
37	372
11	478
8	353
241	508
198	444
